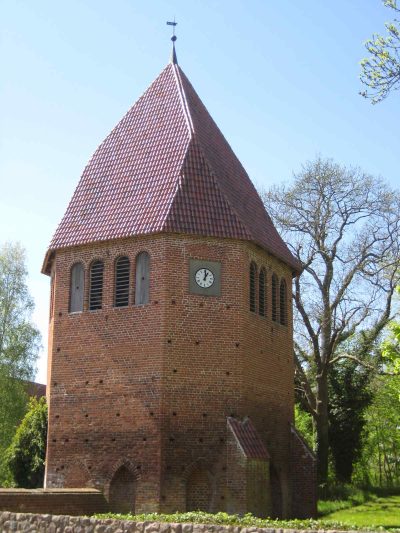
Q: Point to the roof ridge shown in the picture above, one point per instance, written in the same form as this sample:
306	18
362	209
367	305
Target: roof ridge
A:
185	105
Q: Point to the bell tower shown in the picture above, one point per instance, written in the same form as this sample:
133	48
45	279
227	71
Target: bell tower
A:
170	372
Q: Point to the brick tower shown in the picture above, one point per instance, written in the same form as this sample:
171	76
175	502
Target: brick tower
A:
170	372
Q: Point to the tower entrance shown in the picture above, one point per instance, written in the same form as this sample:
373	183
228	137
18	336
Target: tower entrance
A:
198	491
123	491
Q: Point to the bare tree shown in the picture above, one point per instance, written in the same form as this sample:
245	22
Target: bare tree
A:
344	227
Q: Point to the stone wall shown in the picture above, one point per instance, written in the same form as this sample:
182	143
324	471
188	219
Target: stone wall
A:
71	524
53	524
53	501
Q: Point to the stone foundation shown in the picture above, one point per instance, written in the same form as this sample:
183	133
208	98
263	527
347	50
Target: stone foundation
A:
53	524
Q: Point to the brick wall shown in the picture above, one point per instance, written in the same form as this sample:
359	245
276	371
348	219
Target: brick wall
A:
303	469
149	388
56	501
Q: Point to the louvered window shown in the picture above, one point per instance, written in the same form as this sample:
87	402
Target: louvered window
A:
253	274
261	293
52	295
122	276
274	297
283	303
76	288
142	285
96	285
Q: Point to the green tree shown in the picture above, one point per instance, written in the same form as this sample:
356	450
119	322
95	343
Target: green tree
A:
380	71
19	344
27	452
344	228
391	346
379	464
304	424
349	397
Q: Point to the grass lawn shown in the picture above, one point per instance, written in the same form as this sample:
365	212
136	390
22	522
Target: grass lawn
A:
376	512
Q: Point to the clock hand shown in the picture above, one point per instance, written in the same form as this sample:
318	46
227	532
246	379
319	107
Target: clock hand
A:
205	275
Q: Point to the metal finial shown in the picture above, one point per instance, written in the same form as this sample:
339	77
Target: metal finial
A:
174	59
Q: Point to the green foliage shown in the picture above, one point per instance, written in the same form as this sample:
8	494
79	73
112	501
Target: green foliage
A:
19	345
391	346
248	520
377	512
342	496
350	396
379	464
27	452
380	72
304	424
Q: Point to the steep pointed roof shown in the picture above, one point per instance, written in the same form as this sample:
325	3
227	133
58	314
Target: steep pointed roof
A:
166	167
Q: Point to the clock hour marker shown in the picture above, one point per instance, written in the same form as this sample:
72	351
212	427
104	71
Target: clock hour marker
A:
204	278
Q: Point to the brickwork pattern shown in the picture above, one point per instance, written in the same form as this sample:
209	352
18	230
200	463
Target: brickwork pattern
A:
62	501
303	472
150	387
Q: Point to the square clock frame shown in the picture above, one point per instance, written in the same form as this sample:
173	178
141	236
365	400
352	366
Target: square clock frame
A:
205	277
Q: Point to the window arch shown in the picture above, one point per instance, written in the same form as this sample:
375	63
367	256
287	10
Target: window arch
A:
142	286
283	303
261	292
76	290
252	294
274	297
96	285
122	278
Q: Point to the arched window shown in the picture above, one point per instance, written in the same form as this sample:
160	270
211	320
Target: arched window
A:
142	286
122	275
283	303
76	288
96	285
261	292
274	297
252	294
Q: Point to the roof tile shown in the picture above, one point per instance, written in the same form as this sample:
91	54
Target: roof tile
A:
248	439
166	167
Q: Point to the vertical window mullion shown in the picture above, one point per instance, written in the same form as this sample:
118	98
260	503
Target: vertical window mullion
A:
122	279
96	285
253	274
261	293
283	303
274	297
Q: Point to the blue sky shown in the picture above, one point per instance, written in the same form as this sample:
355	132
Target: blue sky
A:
279	78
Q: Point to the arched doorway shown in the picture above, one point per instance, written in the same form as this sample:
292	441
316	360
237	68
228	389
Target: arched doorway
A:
123	491
198	491
276	492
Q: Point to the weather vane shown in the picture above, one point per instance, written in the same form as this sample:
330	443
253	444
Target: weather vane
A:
173	39
173	24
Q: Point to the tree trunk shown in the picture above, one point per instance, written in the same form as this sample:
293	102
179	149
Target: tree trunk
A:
322	444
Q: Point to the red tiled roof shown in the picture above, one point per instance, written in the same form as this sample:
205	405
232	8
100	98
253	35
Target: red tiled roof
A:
248	439
35	389
166	167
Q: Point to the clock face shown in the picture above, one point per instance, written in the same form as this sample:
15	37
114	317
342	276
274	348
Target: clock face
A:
204	278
